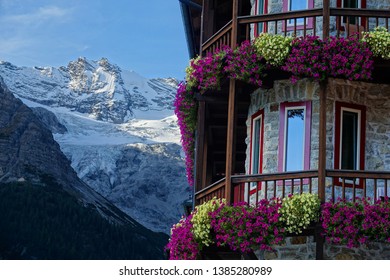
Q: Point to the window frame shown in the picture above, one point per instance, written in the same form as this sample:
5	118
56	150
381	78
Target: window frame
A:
264	12
309	21
258	115
340	107
254	188
306	105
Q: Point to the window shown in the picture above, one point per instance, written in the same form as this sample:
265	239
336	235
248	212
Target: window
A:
256	151
349	136
294	136
261	8
296	5
256	143
355	4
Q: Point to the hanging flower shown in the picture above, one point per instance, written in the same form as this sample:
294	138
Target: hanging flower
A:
186	112
245	64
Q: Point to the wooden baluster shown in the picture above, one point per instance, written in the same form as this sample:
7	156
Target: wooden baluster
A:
301	188
283	188
266	190
292	186
375	189
347	27
247	32
295	27
275	191
276	27
304	26
333	192
285	27
354	189
248	186
310	185
314	26
385	187
377	21
338	24
343	186
364	188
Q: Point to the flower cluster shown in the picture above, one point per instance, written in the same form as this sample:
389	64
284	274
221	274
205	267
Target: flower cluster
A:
274	48
245	64
306	59
244	228
348	58
378	41
356	223
186	112
299	211
205	73
336	57
201	221
182	244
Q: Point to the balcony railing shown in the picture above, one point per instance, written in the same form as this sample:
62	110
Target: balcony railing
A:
340	184
320	22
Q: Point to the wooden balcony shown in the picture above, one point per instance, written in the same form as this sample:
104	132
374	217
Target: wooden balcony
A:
340	184
322	22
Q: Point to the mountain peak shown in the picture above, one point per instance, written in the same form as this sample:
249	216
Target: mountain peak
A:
97	88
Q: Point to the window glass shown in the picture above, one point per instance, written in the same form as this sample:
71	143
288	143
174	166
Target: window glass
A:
297	5
295	133
349	140
294	137
256	140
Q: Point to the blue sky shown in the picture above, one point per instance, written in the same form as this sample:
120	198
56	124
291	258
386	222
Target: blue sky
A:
146	36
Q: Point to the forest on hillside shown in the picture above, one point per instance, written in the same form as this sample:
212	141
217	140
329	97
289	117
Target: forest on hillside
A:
45	222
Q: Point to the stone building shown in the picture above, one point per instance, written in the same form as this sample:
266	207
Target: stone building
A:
330	137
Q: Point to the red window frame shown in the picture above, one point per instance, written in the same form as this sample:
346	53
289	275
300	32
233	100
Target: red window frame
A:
309	23
258	114
337	142
255	116
307	137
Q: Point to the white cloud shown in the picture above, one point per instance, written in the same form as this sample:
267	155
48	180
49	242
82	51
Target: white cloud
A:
40	15
13	44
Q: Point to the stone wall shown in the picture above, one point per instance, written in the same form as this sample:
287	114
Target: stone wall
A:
304	248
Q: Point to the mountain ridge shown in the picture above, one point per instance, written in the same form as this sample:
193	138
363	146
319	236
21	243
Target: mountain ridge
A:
117	129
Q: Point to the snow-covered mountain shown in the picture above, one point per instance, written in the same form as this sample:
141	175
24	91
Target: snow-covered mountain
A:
117	128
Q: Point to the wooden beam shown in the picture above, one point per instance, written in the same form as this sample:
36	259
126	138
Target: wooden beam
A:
326	19
231	122
230	141
199	147
321	165
322	142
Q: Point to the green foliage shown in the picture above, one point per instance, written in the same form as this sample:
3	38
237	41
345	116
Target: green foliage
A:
273	48
378	42
299	211
201	221
40	222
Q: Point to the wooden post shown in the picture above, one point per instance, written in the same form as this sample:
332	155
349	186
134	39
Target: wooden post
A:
326	19
321	167
199	146
231	129
322	143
